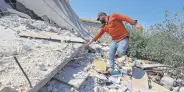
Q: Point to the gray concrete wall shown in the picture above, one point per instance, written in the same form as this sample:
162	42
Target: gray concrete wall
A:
60	12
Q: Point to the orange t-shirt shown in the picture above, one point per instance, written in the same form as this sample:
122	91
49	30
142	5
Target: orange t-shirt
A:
115	28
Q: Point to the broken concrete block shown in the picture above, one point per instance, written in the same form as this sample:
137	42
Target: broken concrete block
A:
179	89
26	48
30	26
115	79
112	86
96	89
72	76
106	48
100	89
100	76
112	90
2	68
167	81
122	88
128	85
121	59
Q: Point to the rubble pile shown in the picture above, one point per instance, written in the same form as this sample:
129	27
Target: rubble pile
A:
122	79
86	72
37	57
125	78
80	65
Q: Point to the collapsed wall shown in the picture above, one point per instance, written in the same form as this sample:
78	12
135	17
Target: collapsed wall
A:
58	12
40	59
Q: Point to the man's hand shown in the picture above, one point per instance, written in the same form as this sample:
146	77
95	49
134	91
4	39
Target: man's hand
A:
88	43
139	27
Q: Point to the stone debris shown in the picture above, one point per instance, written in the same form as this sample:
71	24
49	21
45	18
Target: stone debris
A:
121	80
40	57
37	57
167	81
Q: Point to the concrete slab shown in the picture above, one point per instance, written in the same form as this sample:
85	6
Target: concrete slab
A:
40	59
72	76
55	71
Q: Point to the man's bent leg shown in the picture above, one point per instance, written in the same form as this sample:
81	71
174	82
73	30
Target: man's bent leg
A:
112	53
122	47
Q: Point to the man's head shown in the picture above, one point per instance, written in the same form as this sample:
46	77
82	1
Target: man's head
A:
101	17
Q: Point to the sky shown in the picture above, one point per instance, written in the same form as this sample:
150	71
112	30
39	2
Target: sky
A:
147	12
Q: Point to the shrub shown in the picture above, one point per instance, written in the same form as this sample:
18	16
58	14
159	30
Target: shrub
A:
162	43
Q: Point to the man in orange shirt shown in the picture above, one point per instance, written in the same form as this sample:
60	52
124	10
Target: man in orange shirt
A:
115	28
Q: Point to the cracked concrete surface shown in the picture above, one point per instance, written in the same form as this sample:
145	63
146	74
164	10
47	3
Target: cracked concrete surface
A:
37	57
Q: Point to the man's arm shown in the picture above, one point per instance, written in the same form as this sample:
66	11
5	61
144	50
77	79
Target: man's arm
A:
96	37
121	17
133	22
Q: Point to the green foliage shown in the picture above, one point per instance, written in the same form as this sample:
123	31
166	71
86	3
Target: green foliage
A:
162	43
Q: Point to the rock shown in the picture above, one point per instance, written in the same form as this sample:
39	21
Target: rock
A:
30	26
105	48
181	89
177	89
179	83
129	59
115	79
99	76
128	85
112	90
96	89
121	59
122	89
2	68
140	62
167	81
103	89
72	89
26	48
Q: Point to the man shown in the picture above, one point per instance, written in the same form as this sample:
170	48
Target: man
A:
115	28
